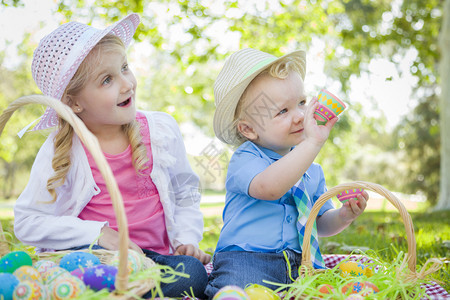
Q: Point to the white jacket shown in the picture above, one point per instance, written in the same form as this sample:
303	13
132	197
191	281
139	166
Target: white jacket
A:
56	225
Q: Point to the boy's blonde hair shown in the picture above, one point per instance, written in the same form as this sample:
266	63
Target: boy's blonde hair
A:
63	139
281	70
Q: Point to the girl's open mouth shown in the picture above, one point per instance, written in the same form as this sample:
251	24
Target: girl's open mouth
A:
124	103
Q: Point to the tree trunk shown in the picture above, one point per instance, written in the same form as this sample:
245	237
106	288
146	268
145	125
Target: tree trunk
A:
444	41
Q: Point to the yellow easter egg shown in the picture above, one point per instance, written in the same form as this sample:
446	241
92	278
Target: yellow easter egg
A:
354	269
28	273
260	292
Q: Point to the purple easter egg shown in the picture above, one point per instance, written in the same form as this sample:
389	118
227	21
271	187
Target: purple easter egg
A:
100	277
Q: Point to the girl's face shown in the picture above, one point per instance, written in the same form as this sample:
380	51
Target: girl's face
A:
274	111
108	98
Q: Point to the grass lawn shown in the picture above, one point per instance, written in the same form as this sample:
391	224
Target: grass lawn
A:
382	231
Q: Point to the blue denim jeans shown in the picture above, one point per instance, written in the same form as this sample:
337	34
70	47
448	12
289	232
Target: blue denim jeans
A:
191	266
241	268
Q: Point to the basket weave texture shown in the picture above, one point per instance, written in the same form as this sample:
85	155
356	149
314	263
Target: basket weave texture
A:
306	265
124	288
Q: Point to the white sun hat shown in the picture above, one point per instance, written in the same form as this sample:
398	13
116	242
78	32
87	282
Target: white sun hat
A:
237	73
61	52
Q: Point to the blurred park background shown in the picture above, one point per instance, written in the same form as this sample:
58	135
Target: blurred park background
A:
384	58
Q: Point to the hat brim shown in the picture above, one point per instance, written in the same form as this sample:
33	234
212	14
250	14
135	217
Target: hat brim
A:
124	29
225	110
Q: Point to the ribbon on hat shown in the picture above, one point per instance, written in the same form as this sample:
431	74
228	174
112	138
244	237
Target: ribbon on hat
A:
25	129
304	205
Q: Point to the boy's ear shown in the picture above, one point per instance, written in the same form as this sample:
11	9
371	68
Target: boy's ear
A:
247	130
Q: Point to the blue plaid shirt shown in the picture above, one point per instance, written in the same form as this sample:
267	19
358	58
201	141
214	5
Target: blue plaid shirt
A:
260	225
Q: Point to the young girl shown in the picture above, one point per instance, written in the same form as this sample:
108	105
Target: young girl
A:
261	106
66	204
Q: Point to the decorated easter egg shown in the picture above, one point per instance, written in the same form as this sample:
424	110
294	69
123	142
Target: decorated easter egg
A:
30	290
53	273
75	260
78	273
43	265
349	194
354	269
260	292
28	273
134	261
355	297
363	288
8	283
13	260
231	292
325	288
100	277
67	288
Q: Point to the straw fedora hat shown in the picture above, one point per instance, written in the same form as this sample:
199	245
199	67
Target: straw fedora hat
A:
237	73
60	53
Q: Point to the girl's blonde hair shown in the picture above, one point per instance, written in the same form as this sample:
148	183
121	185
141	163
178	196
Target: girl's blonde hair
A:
63	139
281	70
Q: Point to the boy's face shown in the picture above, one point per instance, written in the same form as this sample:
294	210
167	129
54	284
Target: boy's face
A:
108	98
274	111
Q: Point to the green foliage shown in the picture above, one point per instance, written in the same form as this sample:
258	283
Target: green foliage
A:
213	225
17	155
391	29
419	138
186	43
14	3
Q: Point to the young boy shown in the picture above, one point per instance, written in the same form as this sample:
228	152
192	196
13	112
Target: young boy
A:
261	106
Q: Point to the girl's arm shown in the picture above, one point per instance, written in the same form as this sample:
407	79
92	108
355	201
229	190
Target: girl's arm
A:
41	223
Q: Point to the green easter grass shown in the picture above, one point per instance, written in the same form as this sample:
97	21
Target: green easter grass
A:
391	279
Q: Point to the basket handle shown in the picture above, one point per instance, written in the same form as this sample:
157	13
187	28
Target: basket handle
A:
91	142
406	218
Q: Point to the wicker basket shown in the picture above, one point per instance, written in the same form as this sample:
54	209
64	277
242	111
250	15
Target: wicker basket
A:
306	264
122	284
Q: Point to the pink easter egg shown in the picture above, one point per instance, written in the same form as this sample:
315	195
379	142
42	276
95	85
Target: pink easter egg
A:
349	194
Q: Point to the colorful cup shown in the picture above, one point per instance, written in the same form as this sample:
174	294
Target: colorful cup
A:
329	107
349	194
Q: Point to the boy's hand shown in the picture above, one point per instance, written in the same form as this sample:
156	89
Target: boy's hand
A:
109	240
351	209
191	250
315	133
